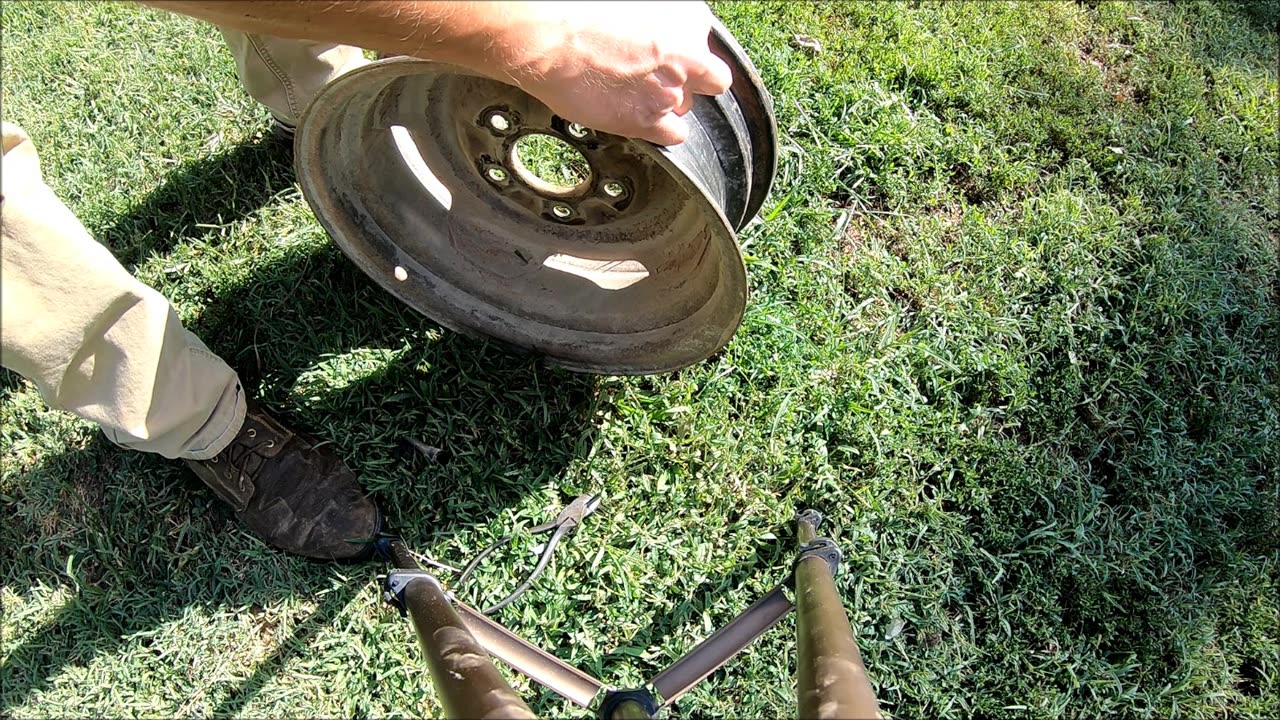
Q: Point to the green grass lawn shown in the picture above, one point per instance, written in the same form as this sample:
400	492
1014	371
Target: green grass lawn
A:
1014	327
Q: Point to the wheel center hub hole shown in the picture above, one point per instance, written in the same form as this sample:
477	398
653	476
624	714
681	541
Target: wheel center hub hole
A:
549	164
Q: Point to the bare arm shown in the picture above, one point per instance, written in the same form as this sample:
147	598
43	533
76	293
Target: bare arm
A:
461	33
628	68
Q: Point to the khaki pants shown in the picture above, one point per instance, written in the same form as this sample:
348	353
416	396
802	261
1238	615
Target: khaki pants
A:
94	340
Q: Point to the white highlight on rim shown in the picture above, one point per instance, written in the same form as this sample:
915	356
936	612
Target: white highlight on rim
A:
401	274
413	158
606	274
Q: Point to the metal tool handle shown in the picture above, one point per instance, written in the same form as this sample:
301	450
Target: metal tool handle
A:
466	680
831	681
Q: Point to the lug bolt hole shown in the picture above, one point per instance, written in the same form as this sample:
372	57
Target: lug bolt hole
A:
497	174
499	121
577	130
614	189
564	212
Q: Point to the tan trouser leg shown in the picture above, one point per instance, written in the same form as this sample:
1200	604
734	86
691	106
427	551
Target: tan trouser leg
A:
284	74
93	339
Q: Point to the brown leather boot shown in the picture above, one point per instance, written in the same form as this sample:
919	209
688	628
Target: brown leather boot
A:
297	497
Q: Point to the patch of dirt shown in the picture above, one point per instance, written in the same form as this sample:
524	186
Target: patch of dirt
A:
950	214
91	572
1111	60
267	627
90	487
854	237
854	229
973	190
906	300
49	524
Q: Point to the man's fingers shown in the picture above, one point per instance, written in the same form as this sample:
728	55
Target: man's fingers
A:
711	78
684	107
670	130
680	104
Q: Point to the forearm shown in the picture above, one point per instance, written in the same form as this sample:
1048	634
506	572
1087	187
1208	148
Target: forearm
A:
476	35
626	68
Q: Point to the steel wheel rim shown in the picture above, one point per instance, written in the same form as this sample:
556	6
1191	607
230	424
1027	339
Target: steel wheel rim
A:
645	280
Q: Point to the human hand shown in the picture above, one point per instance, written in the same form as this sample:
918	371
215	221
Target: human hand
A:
626	68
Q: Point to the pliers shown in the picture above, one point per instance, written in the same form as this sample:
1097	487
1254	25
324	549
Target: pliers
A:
565	522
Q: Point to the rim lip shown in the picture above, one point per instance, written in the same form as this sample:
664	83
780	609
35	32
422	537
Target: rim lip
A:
341	230
763	173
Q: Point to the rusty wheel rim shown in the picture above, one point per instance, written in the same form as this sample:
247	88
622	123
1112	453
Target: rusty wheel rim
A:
412	168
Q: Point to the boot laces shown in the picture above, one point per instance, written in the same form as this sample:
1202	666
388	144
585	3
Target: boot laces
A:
240	452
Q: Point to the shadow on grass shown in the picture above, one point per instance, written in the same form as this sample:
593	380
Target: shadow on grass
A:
203	195
130	589
510	425
149	543
1264	16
